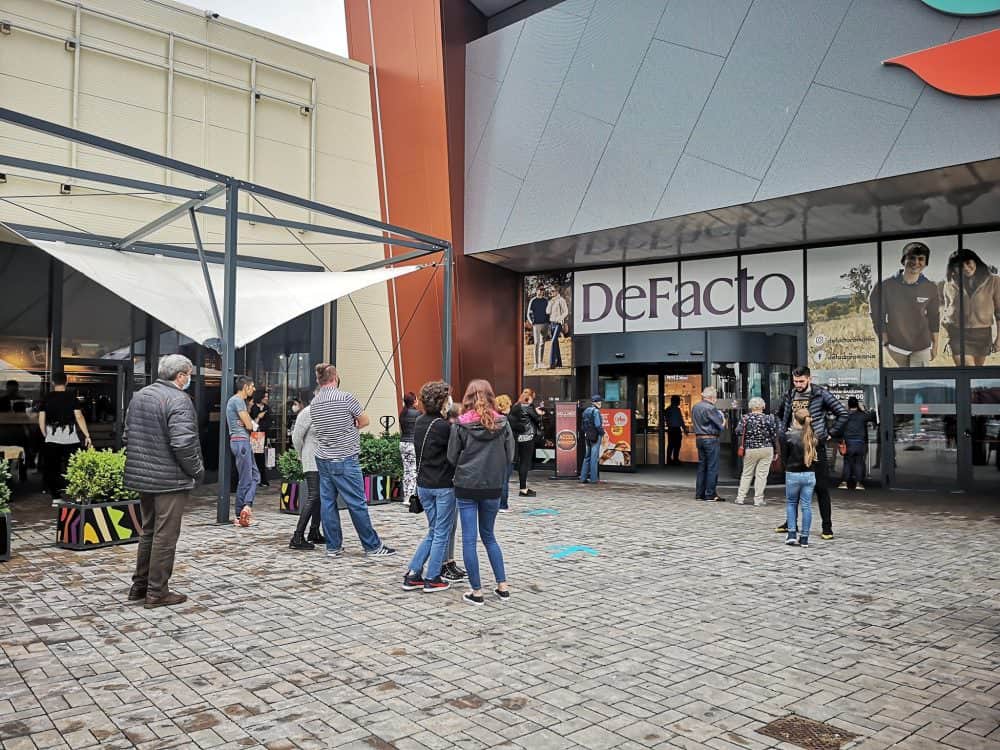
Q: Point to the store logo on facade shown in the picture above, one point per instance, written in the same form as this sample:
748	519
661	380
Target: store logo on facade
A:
967	67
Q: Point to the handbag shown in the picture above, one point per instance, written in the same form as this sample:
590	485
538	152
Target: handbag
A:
743	440
842	447
415	505
257	441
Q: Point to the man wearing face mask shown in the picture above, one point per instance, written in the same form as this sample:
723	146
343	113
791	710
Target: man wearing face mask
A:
906	311
163	463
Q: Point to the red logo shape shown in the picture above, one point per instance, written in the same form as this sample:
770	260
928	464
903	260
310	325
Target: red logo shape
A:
969	67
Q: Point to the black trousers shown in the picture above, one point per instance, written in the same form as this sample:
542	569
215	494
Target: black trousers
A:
675	436
56	459
525	458
309	507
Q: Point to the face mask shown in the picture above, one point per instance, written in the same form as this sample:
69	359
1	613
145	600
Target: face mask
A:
187	383
295	410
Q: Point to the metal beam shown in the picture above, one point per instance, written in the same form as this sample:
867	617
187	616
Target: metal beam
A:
228	347
320	229
169	217
322	208
83	174
204	270
106	144
390	261
447	323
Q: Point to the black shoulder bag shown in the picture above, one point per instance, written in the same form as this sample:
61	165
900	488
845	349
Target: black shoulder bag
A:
415	506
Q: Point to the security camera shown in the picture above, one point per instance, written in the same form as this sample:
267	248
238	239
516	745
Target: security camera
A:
211	15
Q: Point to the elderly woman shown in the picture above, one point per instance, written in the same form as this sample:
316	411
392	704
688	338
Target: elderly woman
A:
757	433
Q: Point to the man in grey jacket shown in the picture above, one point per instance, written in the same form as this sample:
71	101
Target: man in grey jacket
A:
162	463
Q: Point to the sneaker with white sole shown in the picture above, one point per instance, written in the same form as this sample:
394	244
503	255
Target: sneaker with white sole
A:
334	552
738	501
383	551
502	595
760	503
792	540
471	598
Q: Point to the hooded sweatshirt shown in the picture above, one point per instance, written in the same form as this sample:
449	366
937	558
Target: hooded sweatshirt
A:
480	456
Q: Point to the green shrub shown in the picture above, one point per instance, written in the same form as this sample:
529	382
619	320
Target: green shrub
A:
4	486
380	455
290	466
97	477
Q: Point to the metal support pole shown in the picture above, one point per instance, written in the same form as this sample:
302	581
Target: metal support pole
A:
228	346
446	333
204	270
170	216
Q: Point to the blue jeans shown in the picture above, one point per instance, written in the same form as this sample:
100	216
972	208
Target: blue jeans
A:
505	491
344	478
439	507
246	470
708	468
799	486
591	461
480	515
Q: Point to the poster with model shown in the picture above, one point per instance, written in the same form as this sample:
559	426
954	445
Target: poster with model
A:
548	306
840	282
906	305
970	300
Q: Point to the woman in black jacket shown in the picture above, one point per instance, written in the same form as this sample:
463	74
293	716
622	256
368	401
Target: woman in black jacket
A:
434	486
526	423
407	421
481	446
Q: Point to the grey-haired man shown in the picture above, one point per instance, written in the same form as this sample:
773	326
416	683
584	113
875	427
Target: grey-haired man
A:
162	463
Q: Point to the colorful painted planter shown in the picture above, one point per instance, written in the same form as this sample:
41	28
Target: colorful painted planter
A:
86	526
288	499
4	537
381	490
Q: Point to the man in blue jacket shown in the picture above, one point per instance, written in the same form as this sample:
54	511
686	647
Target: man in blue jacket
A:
593	431
821	404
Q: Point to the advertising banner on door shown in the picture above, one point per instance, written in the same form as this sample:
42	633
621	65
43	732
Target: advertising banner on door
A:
566	429
616	443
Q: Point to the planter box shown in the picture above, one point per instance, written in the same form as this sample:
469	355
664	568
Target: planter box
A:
288	498
381	490
4	537
86	526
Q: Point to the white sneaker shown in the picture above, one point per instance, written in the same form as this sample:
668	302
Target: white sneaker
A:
738	501
859	488
760	503
842	486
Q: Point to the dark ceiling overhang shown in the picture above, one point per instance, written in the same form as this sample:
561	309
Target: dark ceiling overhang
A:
963	196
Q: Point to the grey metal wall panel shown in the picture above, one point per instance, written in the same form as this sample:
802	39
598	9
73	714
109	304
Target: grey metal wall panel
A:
490	56
610	53
708	25
582	8
480	96
837	138
489	197
761	92
529	90
640	158
864	40
946	129
560	172
697	183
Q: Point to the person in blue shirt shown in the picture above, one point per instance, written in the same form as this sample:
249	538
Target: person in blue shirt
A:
593	431
708	423
673	420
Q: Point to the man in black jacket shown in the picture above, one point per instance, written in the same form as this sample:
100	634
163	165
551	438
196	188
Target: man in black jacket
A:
162	463
820	403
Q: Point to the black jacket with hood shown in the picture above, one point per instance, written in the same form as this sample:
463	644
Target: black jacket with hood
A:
481	457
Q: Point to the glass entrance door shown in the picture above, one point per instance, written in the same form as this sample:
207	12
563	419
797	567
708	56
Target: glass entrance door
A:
101	387
924	433
981	438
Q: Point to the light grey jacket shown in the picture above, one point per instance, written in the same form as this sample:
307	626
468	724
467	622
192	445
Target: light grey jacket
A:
304	440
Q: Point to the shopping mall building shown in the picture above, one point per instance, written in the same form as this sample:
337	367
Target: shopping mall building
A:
719	190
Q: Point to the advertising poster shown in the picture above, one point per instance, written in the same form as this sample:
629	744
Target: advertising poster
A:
908	312
548	314
840	283
616	443
971	276
566	440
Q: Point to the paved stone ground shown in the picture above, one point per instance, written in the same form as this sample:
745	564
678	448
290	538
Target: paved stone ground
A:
692	628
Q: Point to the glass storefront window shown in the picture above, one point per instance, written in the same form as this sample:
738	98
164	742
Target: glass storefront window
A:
985	428
24	311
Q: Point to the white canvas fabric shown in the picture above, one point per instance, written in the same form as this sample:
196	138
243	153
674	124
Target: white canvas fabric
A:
173	290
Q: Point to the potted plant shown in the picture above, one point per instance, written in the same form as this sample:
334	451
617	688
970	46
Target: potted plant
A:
4	510
382	467
292	480
99	510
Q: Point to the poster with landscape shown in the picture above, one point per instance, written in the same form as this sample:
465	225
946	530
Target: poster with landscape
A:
839	283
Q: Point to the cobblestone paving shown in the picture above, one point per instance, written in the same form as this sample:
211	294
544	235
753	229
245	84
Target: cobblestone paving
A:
692	628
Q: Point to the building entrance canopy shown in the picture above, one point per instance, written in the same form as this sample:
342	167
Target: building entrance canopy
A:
173	290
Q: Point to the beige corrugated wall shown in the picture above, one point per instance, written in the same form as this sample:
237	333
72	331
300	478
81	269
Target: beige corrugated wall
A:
326	153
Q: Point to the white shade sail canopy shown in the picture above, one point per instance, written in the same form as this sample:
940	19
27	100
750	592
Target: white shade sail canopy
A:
173	290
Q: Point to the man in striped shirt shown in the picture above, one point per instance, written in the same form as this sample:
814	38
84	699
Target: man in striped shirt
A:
336	418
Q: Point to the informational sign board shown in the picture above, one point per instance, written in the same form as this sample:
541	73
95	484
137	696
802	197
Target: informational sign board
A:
566	440
616	443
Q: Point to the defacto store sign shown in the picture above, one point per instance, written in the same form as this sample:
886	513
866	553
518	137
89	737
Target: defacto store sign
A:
716	292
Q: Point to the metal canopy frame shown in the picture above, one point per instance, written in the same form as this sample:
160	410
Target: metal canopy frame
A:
196	200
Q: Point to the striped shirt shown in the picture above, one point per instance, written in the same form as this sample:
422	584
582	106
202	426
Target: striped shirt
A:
333	414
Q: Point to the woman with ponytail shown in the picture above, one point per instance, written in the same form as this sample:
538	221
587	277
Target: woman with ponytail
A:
480	448
799	455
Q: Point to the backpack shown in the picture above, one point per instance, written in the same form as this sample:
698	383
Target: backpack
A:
590	431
